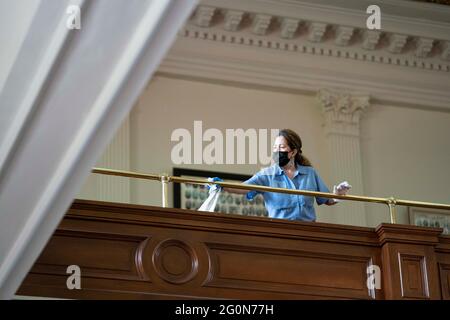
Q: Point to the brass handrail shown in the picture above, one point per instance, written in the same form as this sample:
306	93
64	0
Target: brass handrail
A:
165	179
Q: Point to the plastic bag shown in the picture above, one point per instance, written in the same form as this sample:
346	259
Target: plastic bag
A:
211	201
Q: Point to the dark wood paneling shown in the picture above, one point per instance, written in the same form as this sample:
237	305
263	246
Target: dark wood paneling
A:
413	276
291	271
141	252
444	272
443	257
410	262
97	254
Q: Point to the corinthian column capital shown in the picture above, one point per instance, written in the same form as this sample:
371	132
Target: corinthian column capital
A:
342	111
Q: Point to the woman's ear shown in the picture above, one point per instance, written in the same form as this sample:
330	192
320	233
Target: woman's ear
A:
294	152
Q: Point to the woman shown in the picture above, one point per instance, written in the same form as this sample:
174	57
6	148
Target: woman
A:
290	170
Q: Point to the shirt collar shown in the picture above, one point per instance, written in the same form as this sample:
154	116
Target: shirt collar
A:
278	170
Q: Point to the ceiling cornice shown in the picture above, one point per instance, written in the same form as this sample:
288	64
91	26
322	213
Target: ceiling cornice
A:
419	19
307	45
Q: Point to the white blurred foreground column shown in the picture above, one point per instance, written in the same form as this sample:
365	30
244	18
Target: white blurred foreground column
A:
65	96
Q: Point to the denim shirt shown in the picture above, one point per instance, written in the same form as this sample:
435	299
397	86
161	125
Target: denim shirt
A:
289	206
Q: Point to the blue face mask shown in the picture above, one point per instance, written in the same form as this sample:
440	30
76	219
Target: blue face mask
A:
281	158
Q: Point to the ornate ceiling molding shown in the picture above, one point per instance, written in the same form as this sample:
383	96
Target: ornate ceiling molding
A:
321	38
306	45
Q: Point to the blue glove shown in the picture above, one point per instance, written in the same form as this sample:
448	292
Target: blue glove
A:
251	195
214	186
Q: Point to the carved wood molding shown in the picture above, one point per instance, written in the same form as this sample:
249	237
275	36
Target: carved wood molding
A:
398	233
127	214
444	245
175	261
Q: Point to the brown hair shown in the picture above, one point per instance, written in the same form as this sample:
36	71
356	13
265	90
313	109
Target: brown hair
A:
294	142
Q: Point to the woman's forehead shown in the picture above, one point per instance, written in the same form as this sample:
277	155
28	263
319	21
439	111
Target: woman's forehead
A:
280	140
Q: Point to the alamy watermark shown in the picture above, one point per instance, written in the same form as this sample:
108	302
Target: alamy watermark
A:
373	22
212	146
74	280
74	19
373	277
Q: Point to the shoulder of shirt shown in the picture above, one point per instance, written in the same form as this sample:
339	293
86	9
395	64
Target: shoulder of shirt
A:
268	171
306	169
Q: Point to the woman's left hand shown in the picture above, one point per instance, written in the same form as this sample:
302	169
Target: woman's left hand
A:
341	190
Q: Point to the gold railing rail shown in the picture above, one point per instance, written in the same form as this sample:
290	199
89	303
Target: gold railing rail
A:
165	179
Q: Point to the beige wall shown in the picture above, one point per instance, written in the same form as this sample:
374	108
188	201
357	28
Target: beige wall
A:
405	151
406	154
169	104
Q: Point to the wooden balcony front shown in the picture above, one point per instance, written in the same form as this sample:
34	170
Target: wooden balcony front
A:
142	252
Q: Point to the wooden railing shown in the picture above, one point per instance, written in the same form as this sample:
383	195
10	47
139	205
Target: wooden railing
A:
142	252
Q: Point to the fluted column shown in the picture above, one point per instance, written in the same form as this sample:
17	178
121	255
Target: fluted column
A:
342	113
116	156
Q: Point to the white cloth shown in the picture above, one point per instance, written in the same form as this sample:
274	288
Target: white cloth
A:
211	201
341	189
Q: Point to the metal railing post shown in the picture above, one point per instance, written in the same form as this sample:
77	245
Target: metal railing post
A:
165	190
392	211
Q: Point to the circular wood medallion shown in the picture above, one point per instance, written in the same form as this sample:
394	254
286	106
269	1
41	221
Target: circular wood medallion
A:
175	261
